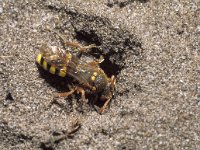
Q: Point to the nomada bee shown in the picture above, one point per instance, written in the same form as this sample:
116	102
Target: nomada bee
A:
88	77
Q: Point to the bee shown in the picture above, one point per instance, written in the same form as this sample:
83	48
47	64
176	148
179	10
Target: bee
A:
88	77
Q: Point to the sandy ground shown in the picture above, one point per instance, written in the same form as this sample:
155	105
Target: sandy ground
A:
152	47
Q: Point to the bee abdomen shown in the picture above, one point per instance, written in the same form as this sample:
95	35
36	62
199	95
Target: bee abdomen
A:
50	68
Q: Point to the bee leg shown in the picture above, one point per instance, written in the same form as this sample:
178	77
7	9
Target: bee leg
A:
72	44
77	45
92	103
82	92
65	94
100	60
85	48
96	62
83	99
104	106
112	82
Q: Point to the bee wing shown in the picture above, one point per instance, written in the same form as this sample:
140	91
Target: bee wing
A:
74	67
78	69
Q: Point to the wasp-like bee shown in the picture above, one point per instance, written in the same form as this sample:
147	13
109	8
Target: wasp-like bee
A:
88	77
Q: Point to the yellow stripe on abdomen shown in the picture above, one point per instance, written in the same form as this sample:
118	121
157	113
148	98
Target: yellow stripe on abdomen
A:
52	70
62	73
39	58
44	65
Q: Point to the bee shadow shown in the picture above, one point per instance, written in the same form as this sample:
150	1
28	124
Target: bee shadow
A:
59	83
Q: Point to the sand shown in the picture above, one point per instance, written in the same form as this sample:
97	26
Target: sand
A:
153	49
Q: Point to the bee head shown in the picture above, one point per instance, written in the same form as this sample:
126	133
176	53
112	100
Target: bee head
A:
109	90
